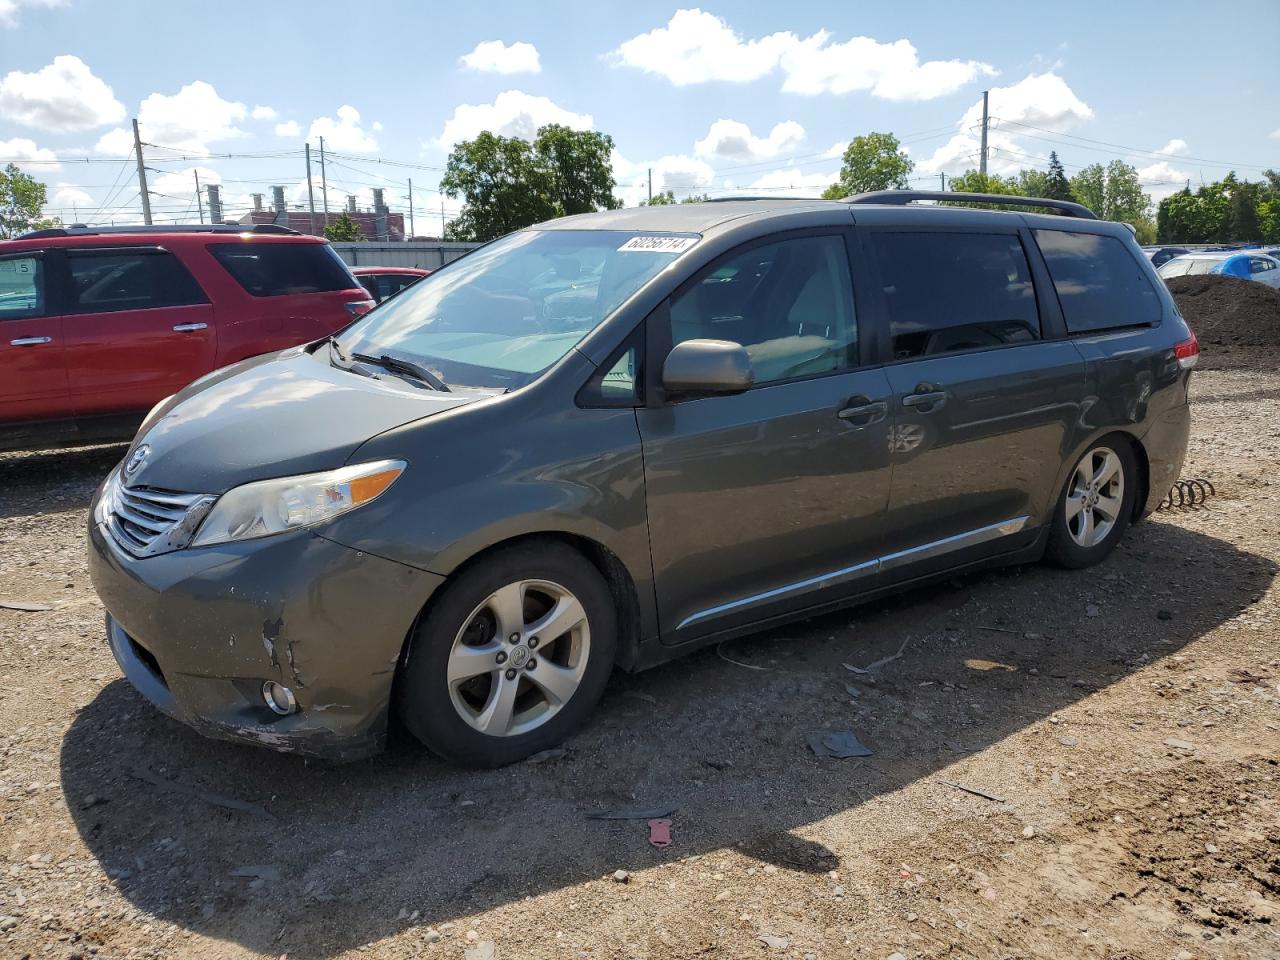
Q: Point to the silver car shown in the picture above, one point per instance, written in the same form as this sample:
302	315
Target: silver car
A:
1247	265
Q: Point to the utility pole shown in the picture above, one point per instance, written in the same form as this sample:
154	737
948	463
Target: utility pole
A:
942	179
324	185
982	165
441	218
142	175
651	184
199	202
411	230
311	197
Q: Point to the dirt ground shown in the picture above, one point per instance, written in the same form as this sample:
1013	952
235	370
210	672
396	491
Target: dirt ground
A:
1125	721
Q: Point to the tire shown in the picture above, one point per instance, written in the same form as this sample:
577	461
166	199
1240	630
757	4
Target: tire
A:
1077	537
455	693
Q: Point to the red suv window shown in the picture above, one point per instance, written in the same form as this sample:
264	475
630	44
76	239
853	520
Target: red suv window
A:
103	281
277	269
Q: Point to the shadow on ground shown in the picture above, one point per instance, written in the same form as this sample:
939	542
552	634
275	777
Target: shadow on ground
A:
53	480
343	850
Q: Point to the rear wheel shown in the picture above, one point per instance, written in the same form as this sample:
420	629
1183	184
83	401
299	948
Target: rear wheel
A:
1094	507
512	658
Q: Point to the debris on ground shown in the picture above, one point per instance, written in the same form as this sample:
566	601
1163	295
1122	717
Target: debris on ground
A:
632	813
660	833
24	606
840	745
974	790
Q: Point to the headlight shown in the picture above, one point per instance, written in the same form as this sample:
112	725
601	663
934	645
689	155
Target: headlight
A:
268	507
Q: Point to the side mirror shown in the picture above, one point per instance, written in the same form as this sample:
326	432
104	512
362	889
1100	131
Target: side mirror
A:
705	367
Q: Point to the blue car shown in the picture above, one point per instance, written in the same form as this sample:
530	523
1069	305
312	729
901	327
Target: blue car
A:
1247	266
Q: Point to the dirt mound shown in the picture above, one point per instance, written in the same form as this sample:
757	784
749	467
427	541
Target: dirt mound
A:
1236	320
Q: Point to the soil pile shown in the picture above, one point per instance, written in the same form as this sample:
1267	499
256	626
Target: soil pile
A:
1236	320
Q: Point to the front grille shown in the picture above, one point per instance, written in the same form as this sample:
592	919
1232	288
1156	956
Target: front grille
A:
147	520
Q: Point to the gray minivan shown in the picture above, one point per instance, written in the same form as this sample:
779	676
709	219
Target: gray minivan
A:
613	438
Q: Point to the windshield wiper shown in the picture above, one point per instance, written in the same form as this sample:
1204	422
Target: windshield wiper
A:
405	368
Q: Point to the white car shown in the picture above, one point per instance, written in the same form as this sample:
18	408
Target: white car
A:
1247	264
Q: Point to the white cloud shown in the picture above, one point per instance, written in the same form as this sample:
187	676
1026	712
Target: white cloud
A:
681	174
792	183
182	183
733	140
513	113
1161	179
60	97
68	196
836	151
21	150
1274	134
9	10
260	112
290	128
115	143
1041	100
344	133
494	56
697	47
1174	146
188	120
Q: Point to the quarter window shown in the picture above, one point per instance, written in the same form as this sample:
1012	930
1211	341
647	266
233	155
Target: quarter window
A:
1099	282
278	269
948	292
790	304
21	288
107	281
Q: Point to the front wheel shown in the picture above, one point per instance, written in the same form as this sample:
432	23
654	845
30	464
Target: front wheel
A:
512	658
1095	506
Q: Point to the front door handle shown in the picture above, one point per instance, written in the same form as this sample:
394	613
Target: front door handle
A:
189	327
30	341
930	402
863	411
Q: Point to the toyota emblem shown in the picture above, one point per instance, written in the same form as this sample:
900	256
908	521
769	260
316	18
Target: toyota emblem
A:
135	460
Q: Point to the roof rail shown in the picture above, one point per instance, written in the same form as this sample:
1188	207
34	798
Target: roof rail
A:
903	197
80	230
732	198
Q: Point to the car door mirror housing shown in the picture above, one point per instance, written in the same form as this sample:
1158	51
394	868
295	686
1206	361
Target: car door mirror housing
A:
697	368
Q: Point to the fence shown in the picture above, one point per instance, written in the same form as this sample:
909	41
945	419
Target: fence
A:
425	256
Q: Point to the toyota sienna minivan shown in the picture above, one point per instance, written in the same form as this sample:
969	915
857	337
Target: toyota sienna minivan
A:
611	439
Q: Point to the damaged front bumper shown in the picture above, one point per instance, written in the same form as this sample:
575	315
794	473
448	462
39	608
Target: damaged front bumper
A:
198	633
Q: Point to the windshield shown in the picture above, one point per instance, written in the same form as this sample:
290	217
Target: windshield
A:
500	316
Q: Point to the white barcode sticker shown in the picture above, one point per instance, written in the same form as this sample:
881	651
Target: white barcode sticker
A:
656	244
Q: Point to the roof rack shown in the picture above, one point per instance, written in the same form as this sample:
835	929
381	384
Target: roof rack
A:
903	197
80	230
732	198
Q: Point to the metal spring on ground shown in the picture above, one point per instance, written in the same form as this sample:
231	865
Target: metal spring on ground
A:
1187	493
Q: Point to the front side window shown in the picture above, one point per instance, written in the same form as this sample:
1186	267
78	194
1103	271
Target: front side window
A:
1099	283
21	288
1203	266
790	304
500	316
281	269
1260	265
948	292
107	281
1178	267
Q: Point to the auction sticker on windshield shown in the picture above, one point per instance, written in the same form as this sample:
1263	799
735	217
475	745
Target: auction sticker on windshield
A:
654	244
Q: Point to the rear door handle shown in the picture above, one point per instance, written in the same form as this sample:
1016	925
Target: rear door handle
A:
30	341
189	327
863	411
926	402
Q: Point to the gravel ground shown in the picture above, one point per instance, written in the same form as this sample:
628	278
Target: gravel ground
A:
1124	722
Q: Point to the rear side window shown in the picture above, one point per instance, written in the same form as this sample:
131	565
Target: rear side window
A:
1100	285
21	288
948	292
278	269
108	281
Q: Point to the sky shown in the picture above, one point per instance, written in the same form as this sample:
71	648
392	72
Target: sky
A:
723	98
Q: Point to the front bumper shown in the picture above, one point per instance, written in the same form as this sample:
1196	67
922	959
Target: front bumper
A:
198	632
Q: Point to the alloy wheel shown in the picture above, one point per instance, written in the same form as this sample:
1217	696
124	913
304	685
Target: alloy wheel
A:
519	657
1095	497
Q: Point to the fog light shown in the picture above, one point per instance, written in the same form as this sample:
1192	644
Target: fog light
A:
279	698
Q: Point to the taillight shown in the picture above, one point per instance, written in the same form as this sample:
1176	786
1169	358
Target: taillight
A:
1187	352
358	308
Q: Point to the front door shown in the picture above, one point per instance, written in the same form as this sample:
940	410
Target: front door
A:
985	407
137	327
33	370
773	499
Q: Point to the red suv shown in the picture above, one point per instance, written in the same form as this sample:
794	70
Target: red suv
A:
97	324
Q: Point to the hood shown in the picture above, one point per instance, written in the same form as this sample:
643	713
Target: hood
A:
274	416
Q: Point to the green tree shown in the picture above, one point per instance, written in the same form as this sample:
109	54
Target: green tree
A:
697	198
1057	186
1089	187
665	198
1242	212
508	183
343	230
1113	192
579	167
1032	183
871	162
22	200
